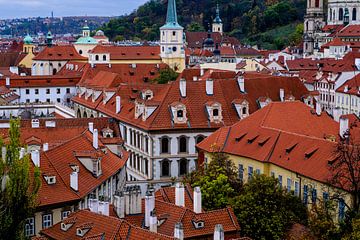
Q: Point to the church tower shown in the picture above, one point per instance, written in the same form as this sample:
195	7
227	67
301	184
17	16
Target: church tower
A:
172	40
313	23
217	25
28	46
86	30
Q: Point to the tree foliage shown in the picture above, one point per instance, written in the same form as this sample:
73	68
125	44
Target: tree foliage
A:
241	18
166	75
20	184
265	210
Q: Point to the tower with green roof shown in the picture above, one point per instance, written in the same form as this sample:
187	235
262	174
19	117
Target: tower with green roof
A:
217	25
172	40
85	43
28	46
49	39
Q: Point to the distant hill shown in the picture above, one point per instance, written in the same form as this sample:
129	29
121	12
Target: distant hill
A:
242	19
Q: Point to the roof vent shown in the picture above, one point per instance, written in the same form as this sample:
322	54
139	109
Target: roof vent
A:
50	180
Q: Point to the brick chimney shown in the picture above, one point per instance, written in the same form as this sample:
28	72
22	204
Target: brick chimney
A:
119	203
282	94
46	147
318	109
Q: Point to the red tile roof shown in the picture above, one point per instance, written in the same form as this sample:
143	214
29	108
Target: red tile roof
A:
59	53
106	227
352	85
351	30
225	91
41	81
290	135
129	52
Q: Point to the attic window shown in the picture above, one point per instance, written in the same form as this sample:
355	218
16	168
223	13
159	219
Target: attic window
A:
152	53
238	139
71	54
251	140
74	167
215	112
123	54
59	54
152	73
263	141
199	224
309	153
50	180
138	54
146	79
290	148
180	113
132	73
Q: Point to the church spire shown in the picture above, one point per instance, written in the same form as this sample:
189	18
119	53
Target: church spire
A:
217	18
171	17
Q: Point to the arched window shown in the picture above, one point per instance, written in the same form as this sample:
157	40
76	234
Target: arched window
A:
54	71
334	14
180	113
85	115
165	145
244	110
354	12
25	49
215	112
307	26
317	3
330	14
182	144
199	139
78	115
104	57
183	168
96	57
165	168
341	14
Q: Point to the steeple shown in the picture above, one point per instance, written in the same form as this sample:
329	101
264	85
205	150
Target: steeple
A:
171	13
217	18
49	39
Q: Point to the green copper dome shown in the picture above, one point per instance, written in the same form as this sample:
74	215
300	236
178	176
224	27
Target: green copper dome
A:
28	39
171	17
86	40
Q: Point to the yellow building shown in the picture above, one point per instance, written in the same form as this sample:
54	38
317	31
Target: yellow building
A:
289	141
28	49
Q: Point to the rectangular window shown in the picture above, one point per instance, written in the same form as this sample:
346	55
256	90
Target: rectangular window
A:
30	227
305	197
46	221
250	172
27	100
241	172
280	181
296	192
27	91
314	196
341	209
258	172
36	91
68	90
325	196
272	174
289	183
48	91
65	214
58	100
58	90
37	100
48	100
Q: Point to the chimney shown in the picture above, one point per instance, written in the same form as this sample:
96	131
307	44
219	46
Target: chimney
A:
344	126
7	82
118	104
195	78
179	231
282	94
109	65
91	127
182	83
241	83
197	200
119	203
95	139
35	157
219	232
336	114
74	181
209	86
318	109
149	207
46	147
94	205
22	153
202	71
180	195
104	208
153	221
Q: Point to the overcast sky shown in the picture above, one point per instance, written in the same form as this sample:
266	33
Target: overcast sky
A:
43	8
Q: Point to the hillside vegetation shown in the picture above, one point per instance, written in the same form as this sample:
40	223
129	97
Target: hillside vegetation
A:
243	19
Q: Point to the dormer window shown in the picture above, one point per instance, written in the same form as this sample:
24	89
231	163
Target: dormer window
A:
179	113
147	95
198	224
242	108
50	180
108	133
214	111
97	167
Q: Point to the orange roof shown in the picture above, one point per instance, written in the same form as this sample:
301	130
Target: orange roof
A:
129	52
101	227
59	53
225	91
350	31
41	81
352	85
290	135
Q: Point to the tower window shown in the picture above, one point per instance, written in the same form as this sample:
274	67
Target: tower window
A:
341	14
174	49
317	3
97	58
174	33
354	14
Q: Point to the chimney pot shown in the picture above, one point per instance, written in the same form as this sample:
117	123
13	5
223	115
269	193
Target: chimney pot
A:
282	94
241	83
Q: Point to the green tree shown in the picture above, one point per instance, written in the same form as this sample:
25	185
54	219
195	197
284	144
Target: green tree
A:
20	184
166	75
355	233
218	181
195	27
267	211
